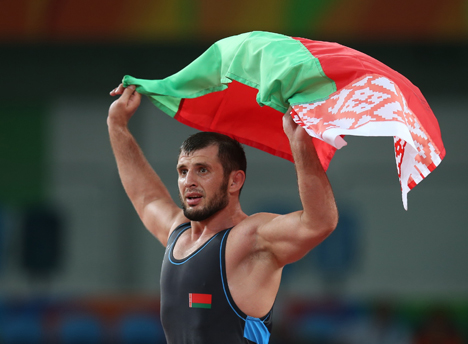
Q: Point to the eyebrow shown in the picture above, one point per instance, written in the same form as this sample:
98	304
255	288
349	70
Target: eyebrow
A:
198	164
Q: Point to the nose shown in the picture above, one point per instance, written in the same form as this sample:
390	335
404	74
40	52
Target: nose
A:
190	179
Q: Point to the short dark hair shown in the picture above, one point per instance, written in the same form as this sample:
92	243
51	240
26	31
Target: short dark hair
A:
230	152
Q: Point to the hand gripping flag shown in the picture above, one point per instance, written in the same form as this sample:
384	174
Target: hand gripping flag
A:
242	85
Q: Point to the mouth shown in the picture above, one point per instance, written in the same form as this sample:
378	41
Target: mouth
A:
193	199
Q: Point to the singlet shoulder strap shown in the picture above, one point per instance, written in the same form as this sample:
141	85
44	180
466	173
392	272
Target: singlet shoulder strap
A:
179	229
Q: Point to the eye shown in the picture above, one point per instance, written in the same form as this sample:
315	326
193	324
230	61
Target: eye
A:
182	172
203	170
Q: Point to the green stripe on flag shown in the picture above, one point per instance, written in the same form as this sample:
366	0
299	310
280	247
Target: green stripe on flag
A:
201	305
169	105
280	67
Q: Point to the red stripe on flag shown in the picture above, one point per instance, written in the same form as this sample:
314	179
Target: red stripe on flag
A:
343	65
236	113
200	298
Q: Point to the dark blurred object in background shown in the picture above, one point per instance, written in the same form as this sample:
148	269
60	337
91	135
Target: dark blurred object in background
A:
41	242
2	239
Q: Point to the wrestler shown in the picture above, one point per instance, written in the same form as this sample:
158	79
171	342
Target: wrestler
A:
222	268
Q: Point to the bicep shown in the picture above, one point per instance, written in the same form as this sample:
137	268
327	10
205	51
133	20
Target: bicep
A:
289	239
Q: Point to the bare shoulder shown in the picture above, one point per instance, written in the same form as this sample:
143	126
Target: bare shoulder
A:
251	223
244	236
162	220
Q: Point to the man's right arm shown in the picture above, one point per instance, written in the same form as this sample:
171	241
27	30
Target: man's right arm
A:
143	186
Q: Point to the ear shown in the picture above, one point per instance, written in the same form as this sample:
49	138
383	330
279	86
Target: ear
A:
236	181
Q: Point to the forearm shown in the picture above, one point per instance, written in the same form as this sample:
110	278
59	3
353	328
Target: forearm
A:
139	180
289	237
319	207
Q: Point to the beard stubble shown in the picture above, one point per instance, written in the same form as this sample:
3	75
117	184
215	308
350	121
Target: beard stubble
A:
217	203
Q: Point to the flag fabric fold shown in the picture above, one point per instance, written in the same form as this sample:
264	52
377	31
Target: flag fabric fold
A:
242	85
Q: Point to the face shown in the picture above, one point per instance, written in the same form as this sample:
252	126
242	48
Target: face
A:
202	185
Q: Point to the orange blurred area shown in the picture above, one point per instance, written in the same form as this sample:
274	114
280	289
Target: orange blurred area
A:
207	20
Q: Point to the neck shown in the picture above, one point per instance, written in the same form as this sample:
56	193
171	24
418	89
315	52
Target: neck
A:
225	218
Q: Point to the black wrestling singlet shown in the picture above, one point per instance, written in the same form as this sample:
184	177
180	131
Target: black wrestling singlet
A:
196	305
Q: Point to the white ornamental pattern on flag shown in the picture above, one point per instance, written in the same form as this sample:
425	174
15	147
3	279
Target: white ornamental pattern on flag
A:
373	106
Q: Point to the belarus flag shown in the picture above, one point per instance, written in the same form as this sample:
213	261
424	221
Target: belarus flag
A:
199	300
242	85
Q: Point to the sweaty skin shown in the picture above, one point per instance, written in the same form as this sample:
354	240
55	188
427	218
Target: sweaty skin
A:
259	245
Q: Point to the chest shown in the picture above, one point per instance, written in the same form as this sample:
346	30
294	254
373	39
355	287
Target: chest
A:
193	272
185	246
191	263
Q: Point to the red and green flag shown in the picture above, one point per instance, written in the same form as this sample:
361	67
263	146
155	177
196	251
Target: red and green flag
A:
199	300
242	85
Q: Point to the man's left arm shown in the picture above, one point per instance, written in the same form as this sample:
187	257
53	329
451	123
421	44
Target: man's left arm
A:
289	237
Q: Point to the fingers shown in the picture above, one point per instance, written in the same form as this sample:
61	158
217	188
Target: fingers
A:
127	93
134	101
117	91
129	99
123	108
293	126
288	120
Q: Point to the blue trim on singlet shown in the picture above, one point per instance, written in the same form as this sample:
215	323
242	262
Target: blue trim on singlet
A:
193	254
224	287
187	225
222	277
265	317
256	331
181	226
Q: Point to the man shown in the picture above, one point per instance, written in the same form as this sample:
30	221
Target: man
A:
222	268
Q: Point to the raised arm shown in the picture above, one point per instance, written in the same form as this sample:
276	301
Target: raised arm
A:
145	189
289	237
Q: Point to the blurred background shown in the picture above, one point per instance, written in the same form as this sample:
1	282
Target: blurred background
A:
77	265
